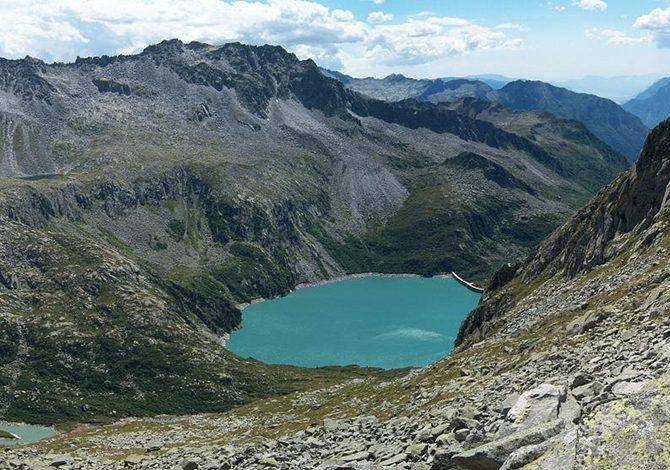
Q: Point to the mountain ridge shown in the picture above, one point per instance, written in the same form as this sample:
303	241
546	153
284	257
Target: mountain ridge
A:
651	105
617	127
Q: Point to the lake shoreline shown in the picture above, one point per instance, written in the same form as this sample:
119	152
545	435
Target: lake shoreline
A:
21	438
370	319
345	277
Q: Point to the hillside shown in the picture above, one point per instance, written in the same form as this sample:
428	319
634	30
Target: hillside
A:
563	365
142	197
611	123
652	105
623	131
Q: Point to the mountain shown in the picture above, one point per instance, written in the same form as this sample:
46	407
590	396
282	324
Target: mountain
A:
618	89
564	364
610	122
652	105
493	80
621	130
143	197
397	87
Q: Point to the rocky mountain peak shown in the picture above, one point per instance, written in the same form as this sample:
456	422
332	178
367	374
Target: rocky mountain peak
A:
168	46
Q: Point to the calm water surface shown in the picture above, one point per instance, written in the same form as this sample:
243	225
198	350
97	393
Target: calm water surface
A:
28	433
377	321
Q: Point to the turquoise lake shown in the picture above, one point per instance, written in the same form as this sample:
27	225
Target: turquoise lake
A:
28	433
375	321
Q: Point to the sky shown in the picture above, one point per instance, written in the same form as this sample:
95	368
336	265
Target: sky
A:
541	39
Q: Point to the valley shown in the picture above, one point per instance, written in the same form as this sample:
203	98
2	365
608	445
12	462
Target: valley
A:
562	362
144	198
178	182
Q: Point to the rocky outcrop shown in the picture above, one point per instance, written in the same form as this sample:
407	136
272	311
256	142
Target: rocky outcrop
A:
607	227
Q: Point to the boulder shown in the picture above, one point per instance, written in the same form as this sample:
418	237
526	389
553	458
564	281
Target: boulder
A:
133	459
493	455
331	424
525	455
536	406
629	388
508	403
60	460
416	450
393	461
188	464
587	390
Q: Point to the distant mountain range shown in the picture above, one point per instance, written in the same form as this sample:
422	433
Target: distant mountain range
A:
617	127
618	89
652	105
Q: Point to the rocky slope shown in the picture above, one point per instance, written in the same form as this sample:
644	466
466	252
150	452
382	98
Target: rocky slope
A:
196	177
563	365
651	106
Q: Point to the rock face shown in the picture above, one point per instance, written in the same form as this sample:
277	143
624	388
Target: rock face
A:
632	205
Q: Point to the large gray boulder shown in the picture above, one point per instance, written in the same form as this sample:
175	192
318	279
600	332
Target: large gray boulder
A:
493	455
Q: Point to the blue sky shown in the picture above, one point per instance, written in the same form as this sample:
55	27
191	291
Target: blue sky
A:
550	40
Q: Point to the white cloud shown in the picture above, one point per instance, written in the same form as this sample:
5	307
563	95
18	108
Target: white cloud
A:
63	29
426	39
510	27
592	5
613	36
379	17
657	22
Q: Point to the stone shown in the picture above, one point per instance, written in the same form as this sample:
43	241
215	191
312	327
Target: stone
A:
395	460
587	391
416	450
508	403
536	406
60	460
525	455
331	424
629	388
133	459
358	456
188	464
492	456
